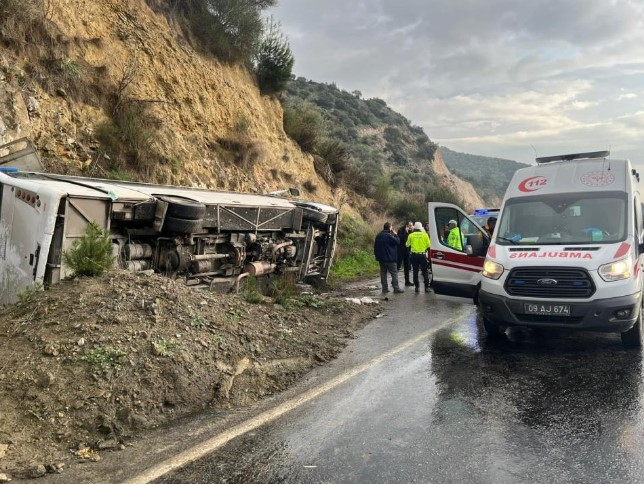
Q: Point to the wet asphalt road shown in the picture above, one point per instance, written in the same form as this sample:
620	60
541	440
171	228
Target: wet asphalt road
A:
534	407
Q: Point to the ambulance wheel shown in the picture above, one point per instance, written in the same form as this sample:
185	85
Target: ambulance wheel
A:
633	337
493	330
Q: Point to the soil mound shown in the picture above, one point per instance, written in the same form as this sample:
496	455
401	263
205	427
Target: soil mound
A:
92	362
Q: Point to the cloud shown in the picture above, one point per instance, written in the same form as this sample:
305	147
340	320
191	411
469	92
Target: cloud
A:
485	75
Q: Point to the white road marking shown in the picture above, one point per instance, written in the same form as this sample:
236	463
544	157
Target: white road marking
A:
198	451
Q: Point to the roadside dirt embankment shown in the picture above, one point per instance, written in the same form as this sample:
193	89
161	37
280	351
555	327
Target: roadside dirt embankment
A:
91	363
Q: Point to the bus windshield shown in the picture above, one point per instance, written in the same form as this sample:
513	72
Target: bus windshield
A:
569	218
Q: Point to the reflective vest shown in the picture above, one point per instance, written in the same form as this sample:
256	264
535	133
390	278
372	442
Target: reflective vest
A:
418	242
455	239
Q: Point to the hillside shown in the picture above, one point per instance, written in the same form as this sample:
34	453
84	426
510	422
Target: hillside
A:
183	116
490	175
383	146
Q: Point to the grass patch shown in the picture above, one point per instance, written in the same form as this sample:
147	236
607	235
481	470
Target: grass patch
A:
28	295
197	321
251	293
165	347
104	357
358	263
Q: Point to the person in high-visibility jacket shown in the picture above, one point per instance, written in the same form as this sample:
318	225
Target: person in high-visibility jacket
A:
418	243
455	237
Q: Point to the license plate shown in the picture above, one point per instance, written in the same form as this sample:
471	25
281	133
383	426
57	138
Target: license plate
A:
547	309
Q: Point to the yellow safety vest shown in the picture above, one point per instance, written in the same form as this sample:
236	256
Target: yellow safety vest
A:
455	239
418	242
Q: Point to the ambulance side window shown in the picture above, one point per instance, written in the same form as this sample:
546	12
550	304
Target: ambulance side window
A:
470	234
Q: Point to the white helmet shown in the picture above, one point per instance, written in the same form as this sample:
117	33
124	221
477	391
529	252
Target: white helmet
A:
452	222
418	226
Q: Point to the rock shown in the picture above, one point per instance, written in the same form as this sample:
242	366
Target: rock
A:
36	471
33	106
5	477
46	379
50	350
88	454
56	468
109	444
81	342
61	92
3	450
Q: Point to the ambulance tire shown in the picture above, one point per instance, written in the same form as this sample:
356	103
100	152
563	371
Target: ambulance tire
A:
494	331
633	337
185	208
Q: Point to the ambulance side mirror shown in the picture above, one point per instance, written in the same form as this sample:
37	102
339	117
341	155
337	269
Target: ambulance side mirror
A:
640	248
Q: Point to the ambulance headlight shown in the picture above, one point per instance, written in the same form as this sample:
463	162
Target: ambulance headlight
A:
616	271
492	270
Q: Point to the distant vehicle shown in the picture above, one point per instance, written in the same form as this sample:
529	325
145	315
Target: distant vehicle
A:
204	236
566	251
481	215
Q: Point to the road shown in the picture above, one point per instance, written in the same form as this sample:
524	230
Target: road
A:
451	407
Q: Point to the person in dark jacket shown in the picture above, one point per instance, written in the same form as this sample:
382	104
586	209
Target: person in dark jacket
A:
385	248
403	251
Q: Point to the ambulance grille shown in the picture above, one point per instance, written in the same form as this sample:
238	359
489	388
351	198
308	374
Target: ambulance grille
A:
533	282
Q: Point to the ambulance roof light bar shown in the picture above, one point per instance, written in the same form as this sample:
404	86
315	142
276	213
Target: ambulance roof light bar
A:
574	156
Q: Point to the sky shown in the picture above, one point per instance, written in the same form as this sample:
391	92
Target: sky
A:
492	77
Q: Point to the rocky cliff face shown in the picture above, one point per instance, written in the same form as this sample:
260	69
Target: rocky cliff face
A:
195	100
464	189
212	128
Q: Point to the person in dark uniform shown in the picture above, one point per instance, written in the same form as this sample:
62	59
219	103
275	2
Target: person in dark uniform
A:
385	248
403	251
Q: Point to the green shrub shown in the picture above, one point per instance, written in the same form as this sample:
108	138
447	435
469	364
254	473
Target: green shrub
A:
304	124
130	134
91	255
274	61
282	290
441	194
229	29
251	293
336	154
104	357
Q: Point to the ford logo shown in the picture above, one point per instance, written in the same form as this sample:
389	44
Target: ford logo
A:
547	282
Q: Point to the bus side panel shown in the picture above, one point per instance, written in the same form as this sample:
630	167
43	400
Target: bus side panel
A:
25	237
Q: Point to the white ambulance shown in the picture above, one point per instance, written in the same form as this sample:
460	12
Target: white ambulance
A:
566	251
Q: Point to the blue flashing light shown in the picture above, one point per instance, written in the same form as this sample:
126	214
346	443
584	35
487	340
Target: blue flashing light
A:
481	211
9	169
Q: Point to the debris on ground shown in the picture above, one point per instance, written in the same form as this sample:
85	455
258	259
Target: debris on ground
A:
91	363
367	301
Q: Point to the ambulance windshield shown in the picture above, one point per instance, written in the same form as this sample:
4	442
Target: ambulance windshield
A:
570	218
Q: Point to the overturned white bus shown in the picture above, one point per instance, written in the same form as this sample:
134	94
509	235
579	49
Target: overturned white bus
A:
202	235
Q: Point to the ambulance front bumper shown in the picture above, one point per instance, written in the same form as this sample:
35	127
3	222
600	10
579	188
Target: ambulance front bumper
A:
614	315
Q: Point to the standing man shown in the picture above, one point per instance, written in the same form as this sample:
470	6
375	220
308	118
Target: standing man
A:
418	243
385	248
403	250
489	226
455	237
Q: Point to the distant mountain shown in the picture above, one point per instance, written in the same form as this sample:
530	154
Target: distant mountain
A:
387	153
489	175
